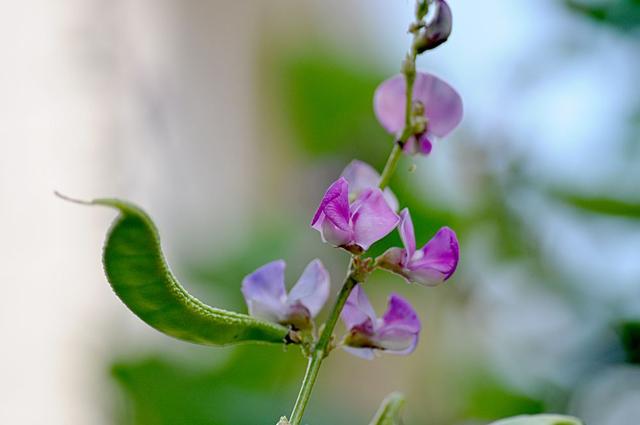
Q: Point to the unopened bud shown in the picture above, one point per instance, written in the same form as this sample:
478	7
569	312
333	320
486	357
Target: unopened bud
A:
437	31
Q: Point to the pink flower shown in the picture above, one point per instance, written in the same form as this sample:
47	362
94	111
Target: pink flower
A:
431	265
396	332
442	109
356	225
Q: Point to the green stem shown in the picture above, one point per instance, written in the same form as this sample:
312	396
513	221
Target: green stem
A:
409	71
391	165
321	349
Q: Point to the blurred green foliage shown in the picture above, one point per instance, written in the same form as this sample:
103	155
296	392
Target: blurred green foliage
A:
620	14
328	100
490	399
255	383
602	205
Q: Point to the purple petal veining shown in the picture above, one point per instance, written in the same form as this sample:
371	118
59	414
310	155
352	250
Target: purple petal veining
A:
361	223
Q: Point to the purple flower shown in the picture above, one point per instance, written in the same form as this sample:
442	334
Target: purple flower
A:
354	226
396	332
442	107
432	264
267	298
361	176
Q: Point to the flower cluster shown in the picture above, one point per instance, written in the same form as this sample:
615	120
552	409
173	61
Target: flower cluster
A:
353	214
357	210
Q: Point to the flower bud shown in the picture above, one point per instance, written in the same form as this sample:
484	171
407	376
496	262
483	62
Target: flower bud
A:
437	31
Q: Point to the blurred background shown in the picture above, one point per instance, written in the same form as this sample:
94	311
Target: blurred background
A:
227	120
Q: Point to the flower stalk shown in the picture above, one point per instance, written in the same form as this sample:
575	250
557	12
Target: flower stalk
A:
323	347
409	72
354	276
343	208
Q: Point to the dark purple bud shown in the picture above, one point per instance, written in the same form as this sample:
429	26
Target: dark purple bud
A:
437	31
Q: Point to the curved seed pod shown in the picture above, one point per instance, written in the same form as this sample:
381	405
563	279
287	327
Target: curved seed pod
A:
140	277
539	420
390	410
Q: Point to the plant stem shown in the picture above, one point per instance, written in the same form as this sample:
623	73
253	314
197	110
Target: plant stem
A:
321	349
391	165
409	71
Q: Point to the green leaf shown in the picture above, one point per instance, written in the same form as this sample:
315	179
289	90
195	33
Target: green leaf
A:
602	205
390	410
539	420
140	277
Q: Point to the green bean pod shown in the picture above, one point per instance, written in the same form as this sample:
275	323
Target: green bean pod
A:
139	275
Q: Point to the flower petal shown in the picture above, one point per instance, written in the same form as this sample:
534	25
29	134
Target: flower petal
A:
312	289
361	176
389	103
407	233
442	104
400	327
334	205
424	144
437	260
358	310
363	353
332	217
334	235
264	291
372	218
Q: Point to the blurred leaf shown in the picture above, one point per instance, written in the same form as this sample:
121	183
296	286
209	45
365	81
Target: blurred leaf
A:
622	14
256	385
390	410
602	205
490	399
540	420
329	101
140	277
630	335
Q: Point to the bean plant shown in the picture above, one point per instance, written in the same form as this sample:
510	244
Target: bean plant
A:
418	110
